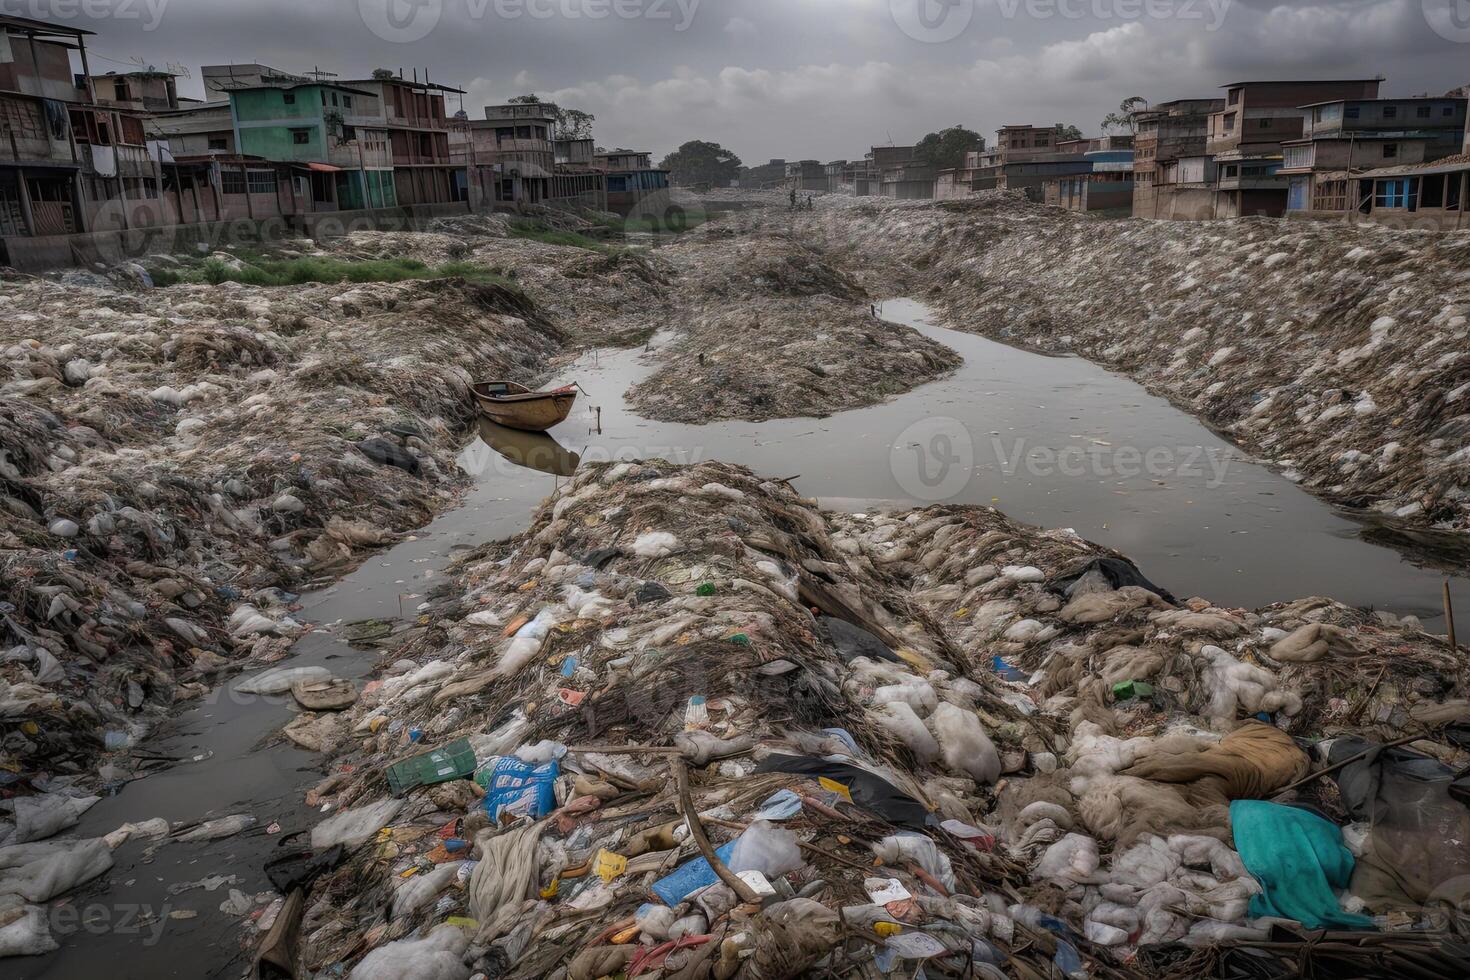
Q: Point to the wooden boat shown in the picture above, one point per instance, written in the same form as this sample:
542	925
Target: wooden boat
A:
518	407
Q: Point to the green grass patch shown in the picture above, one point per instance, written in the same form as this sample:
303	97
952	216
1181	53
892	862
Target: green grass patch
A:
536	231
675	221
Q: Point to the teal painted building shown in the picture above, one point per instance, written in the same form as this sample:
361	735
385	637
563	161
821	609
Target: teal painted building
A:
334	132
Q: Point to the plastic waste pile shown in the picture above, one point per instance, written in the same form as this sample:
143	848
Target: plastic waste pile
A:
769	329
176	464
766	328
1340	352
688	725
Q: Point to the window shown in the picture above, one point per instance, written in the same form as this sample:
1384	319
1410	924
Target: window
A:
262	181
347	102
334	98
300	137
1264	122
132	130
218	143
1390	112
1448	112
1399	193
1229	122
289	98
1390	151
1235	96
1423	112
232	182
324	96
1352	112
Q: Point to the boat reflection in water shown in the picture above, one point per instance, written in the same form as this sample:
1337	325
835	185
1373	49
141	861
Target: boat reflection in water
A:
533	450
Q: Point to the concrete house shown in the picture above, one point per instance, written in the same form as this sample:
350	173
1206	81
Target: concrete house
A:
1024	158
868	179
1346	137
806	175
70	164
509	154
1245	137
142	91
333	136
412	115
1168	132
1108	183
634	184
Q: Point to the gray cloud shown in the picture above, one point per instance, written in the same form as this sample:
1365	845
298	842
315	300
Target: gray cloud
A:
796	78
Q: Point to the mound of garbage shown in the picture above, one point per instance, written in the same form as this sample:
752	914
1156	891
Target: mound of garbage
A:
176	464
1341	353
770	329
689	725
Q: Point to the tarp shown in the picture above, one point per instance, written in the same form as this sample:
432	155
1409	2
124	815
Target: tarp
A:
1417	827
1299	858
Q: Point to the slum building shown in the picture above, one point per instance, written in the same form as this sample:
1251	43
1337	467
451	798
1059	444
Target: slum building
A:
410	116
1245	139
634	184
1344	138
73	165
1108	183
1168	133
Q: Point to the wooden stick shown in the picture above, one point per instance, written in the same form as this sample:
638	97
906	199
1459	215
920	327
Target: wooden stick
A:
1338	765
1449	614
696	829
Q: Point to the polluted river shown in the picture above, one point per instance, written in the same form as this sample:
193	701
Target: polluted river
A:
1056	442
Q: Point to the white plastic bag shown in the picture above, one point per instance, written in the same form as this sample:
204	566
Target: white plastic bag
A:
766	848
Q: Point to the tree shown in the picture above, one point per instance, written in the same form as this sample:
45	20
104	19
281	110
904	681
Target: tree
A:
699	162
946	149
1127	115
1065	132
383	74
567	124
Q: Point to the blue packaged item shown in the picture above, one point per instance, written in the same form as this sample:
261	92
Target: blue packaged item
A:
691	877
1006	671
780	805
522	789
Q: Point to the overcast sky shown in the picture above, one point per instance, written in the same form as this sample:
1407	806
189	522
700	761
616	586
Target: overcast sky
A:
820	79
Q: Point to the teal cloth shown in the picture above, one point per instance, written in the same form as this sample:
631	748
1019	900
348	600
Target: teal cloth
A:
1298	858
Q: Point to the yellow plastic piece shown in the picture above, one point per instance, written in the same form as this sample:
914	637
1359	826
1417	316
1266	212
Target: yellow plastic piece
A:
610	865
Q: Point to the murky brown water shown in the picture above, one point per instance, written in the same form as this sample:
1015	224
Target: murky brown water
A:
1057	442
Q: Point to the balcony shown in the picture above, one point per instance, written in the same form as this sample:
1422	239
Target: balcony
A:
1254	182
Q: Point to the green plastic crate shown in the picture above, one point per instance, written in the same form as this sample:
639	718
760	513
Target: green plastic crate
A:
454	761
